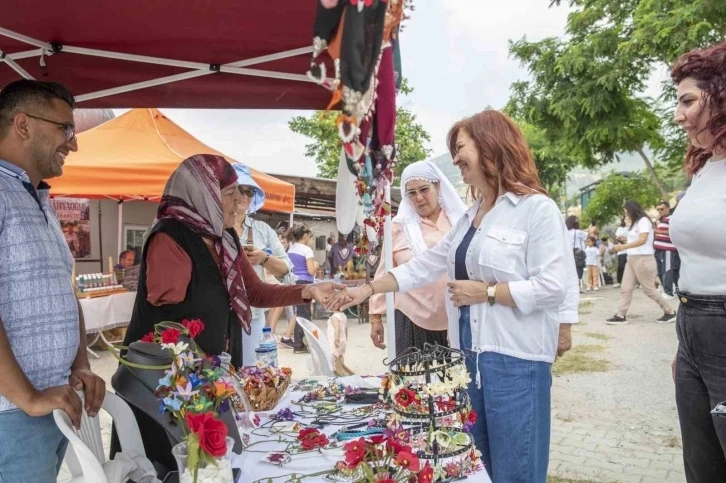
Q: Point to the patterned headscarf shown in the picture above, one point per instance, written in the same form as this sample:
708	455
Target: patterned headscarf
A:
193	195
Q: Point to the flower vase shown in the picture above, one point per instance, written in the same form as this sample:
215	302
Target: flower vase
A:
220	471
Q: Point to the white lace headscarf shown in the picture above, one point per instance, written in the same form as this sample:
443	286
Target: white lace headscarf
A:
407	216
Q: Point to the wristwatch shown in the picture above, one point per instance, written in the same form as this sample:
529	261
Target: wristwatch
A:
491	294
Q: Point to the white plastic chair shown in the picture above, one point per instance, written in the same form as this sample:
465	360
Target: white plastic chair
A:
319	348
85	455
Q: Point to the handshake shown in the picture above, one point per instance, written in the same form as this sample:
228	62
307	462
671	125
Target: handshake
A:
335	296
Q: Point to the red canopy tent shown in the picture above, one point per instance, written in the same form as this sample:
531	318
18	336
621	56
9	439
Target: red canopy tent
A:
166	53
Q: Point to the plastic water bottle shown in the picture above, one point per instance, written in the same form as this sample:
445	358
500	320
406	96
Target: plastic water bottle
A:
266	351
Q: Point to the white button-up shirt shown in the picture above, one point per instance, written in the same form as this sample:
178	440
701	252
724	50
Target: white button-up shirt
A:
521	241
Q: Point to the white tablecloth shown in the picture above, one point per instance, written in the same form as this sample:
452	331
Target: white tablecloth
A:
103	313
254	469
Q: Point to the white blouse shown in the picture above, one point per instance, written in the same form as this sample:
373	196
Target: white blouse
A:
643	225
698	231
521	241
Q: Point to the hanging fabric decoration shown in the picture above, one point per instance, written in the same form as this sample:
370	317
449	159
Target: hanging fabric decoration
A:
361	37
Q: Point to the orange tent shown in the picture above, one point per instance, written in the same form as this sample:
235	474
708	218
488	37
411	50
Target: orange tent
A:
132	156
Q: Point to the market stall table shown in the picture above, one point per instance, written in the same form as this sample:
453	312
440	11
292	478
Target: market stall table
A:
104	313
254	468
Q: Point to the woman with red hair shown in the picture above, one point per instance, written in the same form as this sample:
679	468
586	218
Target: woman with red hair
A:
512	282
698	232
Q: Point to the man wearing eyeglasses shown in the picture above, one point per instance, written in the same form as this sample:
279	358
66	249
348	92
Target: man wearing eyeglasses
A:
666	255
42	334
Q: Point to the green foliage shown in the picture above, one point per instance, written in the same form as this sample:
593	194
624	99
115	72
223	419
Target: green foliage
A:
324	146
607	203
586	88
193	450
552	159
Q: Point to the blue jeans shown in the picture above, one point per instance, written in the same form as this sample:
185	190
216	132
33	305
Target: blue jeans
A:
512	430
31	448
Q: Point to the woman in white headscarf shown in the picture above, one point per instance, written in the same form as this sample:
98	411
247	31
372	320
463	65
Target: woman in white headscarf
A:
429	208
263	249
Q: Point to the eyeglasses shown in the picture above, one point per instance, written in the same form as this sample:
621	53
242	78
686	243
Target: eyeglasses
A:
248	192
423	191
69	130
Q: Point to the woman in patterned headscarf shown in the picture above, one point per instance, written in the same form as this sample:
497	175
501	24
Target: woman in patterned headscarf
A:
429	208
193	268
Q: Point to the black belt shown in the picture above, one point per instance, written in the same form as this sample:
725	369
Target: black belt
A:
691	300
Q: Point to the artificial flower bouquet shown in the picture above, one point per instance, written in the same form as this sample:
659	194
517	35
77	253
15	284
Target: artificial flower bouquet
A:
264	386
194	390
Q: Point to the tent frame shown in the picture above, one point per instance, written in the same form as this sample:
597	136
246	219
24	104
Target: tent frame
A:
197	69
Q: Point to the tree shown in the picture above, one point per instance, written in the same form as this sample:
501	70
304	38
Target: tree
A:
651	35
553	161
324	148
614	190
584	94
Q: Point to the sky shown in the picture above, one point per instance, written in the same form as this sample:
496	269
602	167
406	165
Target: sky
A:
455	56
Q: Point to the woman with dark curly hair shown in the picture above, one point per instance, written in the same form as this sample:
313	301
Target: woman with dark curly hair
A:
698	232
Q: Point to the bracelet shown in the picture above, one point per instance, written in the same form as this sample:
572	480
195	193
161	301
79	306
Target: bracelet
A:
265	260
370	284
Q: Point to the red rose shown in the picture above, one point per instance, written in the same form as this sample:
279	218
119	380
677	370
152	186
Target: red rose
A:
170	336
354	452
408	461
195	327
148	338
426	475
211	431
472	417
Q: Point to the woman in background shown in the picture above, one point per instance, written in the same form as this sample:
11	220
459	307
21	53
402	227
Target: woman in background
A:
428	209
263	250
304	267
641	267
273	316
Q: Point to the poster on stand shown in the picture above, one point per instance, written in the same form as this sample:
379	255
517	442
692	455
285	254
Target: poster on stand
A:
75	220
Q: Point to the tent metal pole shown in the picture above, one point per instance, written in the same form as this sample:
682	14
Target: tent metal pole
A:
199	68
143	85
24	38
145	59
183	63
120	226
266	73
13	65
388	260
25	54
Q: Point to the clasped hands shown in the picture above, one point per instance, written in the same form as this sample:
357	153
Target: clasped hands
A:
335	296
